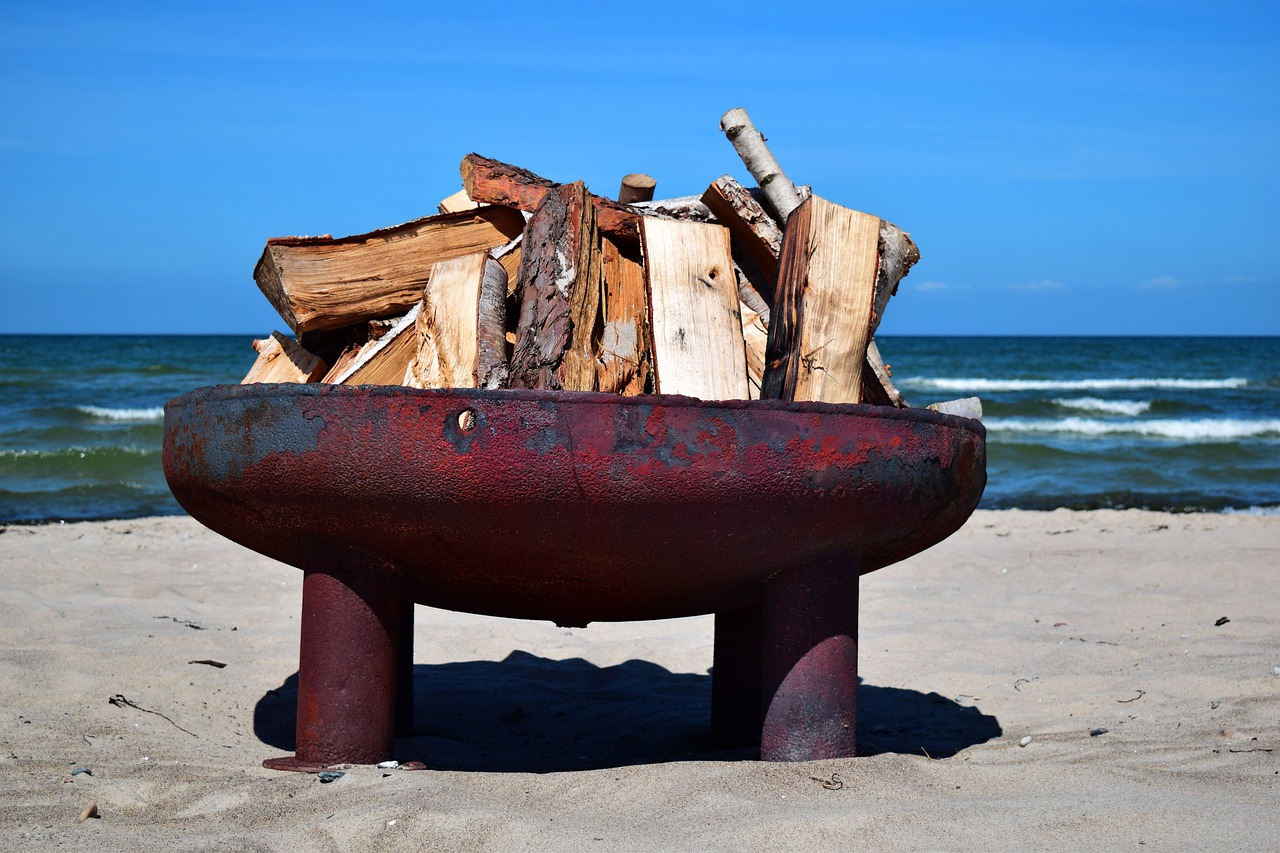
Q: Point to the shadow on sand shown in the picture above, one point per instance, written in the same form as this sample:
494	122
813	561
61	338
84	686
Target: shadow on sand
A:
532	714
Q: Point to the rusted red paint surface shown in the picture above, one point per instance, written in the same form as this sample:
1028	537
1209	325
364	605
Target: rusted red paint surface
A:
571	507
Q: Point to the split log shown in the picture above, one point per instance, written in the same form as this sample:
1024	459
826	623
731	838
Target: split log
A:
457	203
461	326
688	207
636	187
349	344
385	361
753	229
821	320
282	359
693	302
625	363
877	386
898	254
560	281
499	183
321	283
966	407
778	190
755	337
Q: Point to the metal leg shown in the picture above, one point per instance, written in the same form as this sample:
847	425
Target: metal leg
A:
347	663
735	677
404	672
810	669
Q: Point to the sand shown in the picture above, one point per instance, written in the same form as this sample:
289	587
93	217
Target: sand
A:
1049	626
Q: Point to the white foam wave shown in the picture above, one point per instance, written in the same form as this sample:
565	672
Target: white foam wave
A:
1225	429
1129	408
1253	510
108	414
979	384
78	452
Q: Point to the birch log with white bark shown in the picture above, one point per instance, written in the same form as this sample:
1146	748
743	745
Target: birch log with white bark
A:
760	162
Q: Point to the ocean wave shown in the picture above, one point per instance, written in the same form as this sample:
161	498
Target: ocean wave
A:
1225	429
109	414
80	453
978	384
1253	510
1129	408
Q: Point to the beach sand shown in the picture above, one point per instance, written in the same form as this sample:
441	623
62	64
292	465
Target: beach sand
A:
1050	626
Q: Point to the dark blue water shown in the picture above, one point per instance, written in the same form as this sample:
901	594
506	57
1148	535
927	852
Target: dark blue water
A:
1184	424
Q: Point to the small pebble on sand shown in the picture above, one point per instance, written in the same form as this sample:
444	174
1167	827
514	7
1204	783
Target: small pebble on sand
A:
1025	740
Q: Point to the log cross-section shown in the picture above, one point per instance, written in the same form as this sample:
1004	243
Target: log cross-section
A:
821	320
559	286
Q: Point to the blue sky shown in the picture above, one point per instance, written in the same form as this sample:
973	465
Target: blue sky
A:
1065	167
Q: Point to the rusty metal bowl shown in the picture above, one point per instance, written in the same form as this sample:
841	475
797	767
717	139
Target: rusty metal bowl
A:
572	507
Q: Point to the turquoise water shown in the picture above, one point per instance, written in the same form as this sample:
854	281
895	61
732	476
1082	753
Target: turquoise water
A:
1184	424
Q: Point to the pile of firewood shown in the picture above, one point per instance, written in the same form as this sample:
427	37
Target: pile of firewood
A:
520	282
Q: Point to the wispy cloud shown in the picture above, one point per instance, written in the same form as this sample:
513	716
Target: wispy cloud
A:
1043	285
934	286
1162	282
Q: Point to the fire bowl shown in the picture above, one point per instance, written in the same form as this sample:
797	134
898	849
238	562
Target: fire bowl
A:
572	507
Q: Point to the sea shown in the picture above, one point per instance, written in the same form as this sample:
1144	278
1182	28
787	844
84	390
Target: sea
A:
1167	423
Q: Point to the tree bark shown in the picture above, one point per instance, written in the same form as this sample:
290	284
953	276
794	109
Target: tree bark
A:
560	282
503	184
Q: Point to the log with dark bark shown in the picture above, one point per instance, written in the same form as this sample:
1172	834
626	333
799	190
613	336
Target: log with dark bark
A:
500	183
559	283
